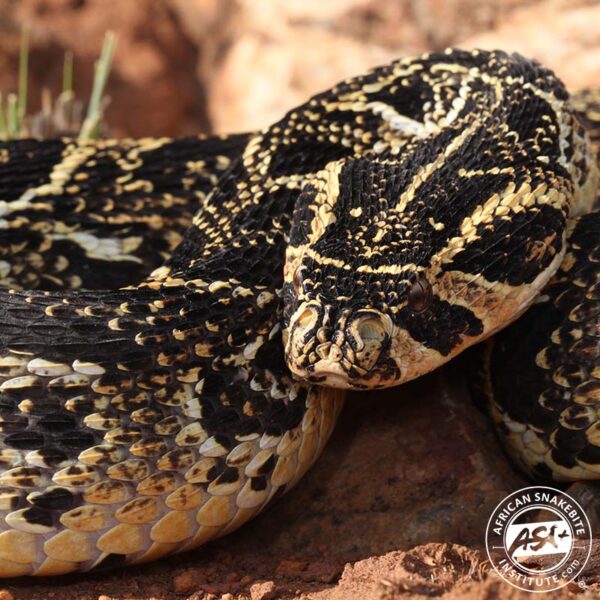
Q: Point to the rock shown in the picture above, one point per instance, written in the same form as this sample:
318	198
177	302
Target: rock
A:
428	570
185	582
264	590
574	52
259	60
323	572
447	571
6	595
290	568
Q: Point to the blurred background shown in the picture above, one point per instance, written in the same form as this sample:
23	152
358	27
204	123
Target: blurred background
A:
184	66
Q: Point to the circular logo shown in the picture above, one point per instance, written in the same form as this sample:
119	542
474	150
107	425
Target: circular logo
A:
538	539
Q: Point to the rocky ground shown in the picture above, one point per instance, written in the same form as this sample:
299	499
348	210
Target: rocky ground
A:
397	505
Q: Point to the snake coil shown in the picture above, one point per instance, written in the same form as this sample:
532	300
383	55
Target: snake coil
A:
366	238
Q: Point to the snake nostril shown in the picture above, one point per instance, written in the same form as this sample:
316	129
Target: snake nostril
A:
306	318
371	329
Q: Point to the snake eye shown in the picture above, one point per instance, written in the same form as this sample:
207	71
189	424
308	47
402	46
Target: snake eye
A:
419	295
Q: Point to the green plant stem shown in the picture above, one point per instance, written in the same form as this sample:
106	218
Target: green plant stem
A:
13	116
3	130
23	72
67	83
91	125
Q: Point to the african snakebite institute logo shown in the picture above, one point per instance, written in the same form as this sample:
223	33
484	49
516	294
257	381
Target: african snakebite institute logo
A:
538	539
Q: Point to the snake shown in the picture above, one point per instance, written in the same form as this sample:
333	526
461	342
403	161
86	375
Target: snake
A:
180	318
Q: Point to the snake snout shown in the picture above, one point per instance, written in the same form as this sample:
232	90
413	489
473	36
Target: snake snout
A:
337	350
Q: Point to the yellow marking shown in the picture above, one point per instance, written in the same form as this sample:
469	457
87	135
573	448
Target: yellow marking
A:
381	232
398	122
141	185
203	350
479	172
85	518
264	299
217	286
175	526
160	273
102	248
18	546
327	194
387	269
423	173
17	383
219	510
211	448
76	156
437	226
449	67
504	203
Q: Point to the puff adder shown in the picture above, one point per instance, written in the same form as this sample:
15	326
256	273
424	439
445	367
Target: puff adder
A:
366	238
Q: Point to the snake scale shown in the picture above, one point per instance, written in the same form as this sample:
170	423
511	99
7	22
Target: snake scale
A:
179	317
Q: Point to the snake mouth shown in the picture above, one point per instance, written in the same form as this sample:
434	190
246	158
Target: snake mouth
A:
327	373
332	380
332	374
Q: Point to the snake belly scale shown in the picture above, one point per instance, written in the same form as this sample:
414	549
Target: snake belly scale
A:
145	414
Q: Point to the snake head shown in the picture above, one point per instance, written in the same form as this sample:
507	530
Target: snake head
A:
334	333
391	272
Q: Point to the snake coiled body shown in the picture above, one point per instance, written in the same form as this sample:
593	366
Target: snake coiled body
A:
366	238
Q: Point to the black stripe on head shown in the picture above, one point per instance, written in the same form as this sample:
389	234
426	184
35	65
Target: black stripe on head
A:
374	188
304	212
534	120
441	327
515	251
305	155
